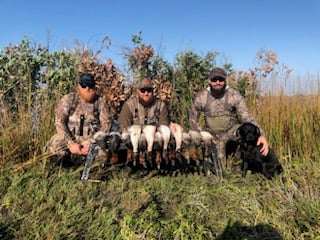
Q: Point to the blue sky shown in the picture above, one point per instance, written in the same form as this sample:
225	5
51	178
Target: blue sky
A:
235	28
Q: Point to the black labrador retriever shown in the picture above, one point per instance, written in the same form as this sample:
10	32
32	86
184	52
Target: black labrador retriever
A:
251	157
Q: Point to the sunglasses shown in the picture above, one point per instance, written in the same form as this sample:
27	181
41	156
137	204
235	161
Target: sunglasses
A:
217	79
89	85
143	90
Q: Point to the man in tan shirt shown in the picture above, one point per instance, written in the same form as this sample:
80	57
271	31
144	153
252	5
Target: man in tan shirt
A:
146	113
143	108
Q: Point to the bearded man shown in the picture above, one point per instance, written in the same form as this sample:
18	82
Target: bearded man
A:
78	116
143	108
224	110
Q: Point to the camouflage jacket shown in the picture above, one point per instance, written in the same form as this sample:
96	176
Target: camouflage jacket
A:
133	112
230	110
77	120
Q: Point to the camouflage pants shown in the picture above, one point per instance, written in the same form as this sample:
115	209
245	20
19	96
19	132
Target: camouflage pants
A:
57	145
221	139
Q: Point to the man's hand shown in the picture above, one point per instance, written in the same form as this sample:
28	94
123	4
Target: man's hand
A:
85	148
79	149
265	146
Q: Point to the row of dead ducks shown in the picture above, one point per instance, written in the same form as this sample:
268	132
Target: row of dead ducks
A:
152	147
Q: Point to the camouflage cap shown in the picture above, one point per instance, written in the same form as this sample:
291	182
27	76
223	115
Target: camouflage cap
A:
217	73
145	83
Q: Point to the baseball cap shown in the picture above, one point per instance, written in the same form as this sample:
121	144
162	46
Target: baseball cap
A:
217	73
87	79
145	83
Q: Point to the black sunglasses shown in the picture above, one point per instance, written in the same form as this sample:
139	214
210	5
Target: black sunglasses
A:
89	85
143	90
217	79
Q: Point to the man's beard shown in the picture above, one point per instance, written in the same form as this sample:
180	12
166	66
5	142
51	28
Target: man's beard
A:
146	103
217	93
88	97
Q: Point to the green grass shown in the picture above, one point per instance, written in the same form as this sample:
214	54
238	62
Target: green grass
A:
48	202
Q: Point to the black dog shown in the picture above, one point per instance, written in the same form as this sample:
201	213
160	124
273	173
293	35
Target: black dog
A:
252	159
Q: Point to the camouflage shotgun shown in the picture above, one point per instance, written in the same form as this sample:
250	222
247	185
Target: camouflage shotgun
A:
211	162
101	141
98	142
92	153
215	161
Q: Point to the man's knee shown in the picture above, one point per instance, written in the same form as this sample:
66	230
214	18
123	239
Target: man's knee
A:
56	146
